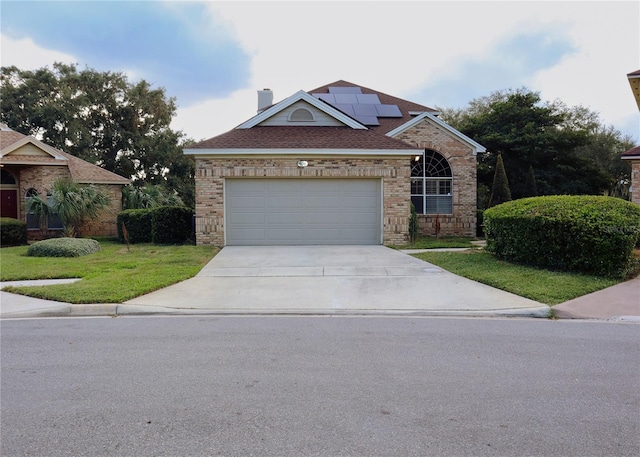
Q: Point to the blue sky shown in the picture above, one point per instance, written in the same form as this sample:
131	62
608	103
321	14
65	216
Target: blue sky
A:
214	56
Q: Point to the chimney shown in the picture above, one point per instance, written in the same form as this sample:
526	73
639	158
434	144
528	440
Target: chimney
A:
265	99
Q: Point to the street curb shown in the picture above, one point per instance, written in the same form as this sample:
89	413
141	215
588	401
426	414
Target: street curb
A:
114	310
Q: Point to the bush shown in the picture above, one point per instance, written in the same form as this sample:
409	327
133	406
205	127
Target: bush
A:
138	223
587	234
13	232
160	225
172	225
63	247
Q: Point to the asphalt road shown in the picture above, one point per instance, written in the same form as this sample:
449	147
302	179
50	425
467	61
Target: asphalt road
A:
319	386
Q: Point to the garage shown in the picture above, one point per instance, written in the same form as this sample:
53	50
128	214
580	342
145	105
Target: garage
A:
303	211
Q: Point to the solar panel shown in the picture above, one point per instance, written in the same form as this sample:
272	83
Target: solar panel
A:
368	99
388	111
367	120
365	108
343	99
345	90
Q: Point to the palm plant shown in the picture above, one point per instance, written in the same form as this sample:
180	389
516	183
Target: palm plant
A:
71	202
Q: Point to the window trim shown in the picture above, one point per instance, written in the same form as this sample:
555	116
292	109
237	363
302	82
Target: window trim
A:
424	196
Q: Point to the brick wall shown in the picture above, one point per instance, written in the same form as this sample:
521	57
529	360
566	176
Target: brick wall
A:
41	179
211	172
635	181
462	222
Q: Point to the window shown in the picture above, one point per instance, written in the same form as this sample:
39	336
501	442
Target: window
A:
53	222
301	115
32	219
431	184
7	178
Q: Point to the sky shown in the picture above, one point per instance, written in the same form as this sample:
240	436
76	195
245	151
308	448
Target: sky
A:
213	57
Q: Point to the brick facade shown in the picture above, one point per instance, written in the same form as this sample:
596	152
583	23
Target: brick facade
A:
463	166
41	179
212	171
635	181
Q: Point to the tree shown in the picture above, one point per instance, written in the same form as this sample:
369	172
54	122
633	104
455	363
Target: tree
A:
102	118
71	202
500	192
527	133
530	187
148	196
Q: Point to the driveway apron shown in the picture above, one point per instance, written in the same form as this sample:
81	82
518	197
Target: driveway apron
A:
329	280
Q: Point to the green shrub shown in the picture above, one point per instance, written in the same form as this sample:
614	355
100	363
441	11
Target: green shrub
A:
587	234
13	232
138	224
63	247
172	225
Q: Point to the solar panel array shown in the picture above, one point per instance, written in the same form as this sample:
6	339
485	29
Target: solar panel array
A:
365	108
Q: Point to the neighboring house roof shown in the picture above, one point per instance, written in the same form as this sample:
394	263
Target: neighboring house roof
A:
353	132
633	153
81	171
634	82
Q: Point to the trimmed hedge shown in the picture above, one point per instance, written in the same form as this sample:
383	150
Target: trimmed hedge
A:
160	225
587	234
63	247
138	225
13	232
171	224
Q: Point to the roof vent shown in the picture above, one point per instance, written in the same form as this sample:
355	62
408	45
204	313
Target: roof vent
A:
265	99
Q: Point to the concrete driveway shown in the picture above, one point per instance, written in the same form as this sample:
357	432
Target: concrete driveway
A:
329	280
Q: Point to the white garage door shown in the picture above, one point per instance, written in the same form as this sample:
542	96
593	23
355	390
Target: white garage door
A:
303	211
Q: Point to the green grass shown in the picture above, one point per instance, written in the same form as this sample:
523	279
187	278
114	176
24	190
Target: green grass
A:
112	275
431	242
544	286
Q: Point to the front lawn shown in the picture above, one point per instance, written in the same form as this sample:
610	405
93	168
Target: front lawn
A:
431	242
544	286
112	275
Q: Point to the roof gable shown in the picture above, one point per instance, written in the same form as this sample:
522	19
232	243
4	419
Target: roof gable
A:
477	147
19	149
310	100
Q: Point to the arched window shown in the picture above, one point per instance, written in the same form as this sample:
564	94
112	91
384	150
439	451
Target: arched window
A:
301	115
431	184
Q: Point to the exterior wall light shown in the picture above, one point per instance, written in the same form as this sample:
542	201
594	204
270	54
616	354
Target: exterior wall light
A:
302	163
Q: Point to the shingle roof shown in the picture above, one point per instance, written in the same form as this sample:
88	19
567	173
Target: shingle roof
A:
301	137
386	124
633	152
81	171
308	137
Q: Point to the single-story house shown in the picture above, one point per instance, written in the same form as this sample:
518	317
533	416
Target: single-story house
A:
340	164
633	155
29	167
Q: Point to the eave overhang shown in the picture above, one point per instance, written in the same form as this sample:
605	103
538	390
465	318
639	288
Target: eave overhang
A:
304	152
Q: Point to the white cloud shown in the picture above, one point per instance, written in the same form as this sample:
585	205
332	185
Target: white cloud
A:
26	55
398	47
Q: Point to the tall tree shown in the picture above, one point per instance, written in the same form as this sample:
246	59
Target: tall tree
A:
526	132
100	117
500	192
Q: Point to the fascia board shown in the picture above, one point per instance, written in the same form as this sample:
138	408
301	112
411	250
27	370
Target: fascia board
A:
39	144
633	157
477	147
302	151
302	95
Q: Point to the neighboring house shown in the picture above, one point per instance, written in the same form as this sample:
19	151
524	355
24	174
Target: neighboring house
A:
29	167
633	155
340	164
